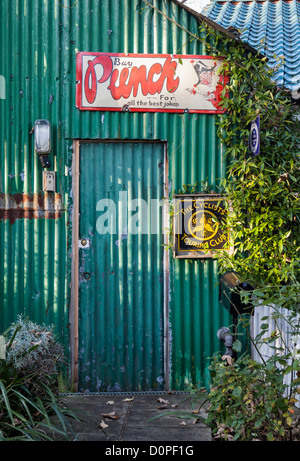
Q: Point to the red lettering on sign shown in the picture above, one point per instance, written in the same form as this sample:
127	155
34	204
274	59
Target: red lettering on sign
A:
130	82
106	62
155	69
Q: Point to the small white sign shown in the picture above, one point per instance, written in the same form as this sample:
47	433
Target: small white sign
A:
2	348
49	181
254	142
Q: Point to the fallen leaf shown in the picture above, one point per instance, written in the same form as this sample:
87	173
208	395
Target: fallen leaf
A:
102	425
162	401
128	400
110	402
183	423
228	358
175	405
111	415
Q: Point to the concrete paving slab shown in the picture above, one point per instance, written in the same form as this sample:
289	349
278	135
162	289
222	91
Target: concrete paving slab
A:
136	417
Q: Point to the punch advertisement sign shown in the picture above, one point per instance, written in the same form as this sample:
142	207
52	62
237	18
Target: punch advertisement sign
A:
148	83
199	226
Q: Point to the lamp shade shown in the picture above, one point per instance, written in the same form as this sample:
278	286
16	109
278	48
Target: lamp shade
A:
42	136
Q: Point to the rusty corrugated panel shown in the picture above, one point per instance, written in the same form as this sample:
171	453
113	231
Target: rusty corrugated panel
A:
24	206
38	61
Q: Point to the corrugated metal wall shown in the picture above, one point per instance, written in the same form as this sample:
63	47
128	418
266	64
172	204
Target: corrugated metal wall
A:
33	225
38	61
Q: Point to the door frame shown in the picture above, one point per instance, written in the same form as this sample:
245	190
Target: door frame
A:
74	298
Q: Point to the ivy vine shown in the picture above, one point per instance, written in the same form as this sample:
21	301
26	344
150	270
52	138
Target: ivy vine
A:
263	191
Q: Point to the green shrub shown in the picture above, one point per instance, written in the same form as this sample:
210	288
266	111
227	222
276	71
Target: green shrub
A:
247	401
35	353
28	399
252	399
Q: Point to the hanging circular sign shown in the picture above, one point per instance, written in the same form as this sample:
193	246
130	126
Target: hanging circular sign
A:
254	137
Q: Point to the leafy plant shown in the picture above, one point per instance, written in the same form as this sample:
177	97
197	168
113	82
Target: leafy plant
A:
29	403
250	399
247	401
263	191
35	353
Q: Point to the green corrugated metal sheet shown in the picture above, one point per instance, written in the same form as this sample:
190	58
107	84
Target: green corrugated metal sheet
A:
33	225
39	43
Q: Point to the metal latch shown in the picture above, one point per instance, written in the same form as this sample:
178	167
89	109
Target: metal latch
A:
84	243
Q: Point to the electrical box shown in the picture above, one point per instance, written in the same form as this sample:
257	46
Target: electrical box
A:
49	181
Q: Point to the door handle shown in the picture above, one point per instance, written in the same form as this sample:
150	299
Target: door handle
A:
84	243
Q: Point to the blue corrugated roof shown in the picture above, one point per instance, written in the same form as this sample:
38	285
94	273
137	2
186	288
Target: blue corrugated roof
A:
270	26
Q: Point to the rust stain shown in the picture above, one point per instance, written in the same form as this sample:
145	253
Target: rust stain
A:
30	206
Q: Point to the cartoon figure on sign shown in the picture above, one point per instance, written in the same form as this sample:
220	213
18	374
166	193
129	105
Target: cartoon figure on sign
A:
204	85
204	73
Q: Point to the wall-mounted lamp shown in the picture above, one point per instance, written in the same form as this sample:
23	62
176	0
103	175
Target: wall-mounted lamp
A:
42	141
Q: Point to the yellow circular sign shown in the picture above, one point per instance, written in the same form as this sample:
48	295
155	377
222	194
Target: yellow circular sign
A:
203	225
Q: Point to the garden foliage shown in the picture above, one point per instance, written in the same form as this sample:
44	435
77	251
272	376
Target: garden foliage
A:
248	399
29	400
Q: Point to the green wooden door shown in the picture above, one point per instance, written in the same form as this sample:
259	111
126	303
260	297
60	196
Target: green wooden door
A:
121	281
